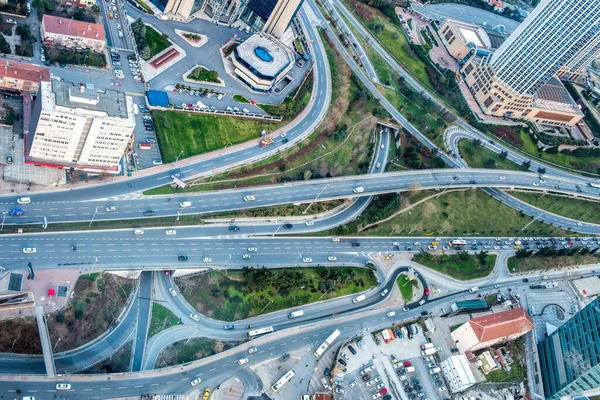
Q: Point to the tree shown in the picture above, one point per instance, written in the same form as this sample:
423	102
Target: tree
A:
490	163
481	256
526	164
477	143
503	154
541	170
341	135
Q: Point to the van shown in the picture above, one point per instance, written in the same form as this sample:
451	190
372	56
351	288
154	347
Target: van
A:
138	231
359	189
220	96
474	289
296	314
391	314
185	204
359	298
409	369
157	162
23	200
427	346
435	370
428	352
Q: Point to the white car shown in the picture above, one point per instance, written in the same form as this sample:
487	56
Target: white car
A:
138	231
384	292
378	378
284	134
332	258
172	291
252	249
194	317
207	259
307	260
370	383
309	223
243	361
63	386
195	381
252	350
502	178
335	239
391	314
29	250
395	243
382	146
119	26
352	384
422	302
535	184
111	209
170	232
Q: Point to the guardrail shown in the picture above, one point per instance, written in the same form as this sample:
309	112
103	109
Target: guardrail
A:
224	113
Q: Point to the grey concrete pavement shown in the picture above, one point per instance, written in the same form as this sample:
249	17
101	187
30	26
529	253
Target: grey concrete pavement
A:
144	315
45	340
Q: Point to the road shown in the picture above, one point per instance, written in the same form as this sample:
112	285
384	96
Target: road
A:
144	311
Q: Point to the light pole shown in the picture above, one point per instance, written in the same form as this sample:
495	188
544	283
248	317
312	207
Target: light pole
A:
278	228
457	177
228	258
327	291
299	256
56	345
178	214
3	218
94	216
94	264
177	159
263	309
315	199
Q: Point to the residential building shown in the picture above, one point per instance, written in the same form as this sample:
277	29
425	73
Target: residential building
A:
20	77
464	40
261	62
557	34
77	127
490	330
457	372
570	356
72	34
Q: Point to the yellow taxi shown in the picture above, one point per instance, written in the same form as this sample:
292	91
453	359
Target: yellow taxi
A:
110	15
206	394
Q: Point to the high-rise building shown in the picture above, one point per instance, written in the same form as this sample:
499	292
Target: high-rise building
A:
570	356
78	127
270	16
559	35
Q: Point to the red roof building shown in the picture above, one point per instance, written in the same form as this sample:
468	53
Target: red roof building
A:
489	330
72	34
22	77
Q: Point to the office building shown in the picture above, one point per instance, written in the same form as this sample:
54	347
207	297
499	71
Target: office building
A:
490	330
464	40
76	127
270	16
558	34
458	374
20	77
570	356
72	34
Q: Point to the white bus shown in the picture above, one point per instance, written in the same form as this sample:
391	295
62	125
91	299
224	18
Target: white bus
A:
258	332
457	242
284	379
322	348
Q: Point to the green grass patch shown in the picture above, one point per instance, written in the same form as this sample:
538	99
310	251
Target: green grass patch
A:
157	41
517	373
481	157
455	327
182	352
581	210
204	75
90	277
145	6
190	134
250	292
298	46
162	318
540	263
406	286
462	266
241	99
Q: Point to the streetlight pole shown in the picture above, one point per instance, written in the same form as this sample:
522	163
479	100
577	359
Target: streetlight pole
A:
56	345
3	218
178	214
177	159
315	199
94	264
263	309
278	228
229	258
190	338
94	216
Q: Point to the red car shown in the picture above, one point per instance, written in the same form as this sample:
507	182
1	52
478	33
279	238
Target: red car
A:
407	363
366	377
383	391
167	272
426	291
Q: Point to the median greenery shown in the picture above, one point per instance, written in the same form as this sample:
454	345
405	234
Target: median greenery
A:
462	265
162	318
148	41
478	156
581	210
548	258
236	294
406	286
186	351
204	75
241	99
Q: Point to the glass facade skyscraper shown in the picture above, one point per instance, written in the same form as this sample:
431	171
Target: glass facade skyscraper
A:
570	356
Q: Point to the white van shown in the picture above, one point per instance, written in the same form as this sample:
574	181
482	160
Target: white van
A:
296	314
474	289
435	370
359	189
24	200
409	369
391	314
138	231
185	204
359	298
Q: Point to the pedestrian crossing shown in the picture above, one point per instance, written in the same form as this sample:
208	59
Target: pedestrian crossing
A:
310	14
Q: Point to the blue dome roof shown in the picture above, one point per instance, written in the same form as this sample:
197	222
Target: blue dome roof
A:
263	54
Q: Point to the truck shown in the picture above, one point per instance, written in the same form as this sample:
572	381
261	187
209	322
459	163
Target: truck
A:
185	204
265	142
145	146
359	189
387	335
427	346
200	106
428	352
358	299
296	314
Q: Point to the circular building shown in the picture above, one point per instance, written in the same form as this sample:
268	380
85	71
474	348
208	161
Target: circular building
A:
262	61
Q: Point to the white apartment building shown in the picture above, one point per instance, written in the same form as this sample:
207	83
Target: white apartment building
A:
81	128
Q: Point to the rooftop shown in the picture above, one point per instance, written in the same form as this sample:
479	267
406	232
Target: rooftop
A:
17	70
71	27
555	96
469	33
112	102
265	54
502	324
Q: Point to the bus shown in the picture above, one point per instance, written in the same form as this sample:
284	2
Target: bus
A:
594	185
457	242
145	146
258	332
322	348
284	379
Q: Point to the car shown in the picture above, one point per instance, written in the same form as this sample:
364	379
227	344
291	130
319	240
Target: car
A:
435	376
111	209
339	390
284	134
343	362
23	200
307	260
525	280
432	365
327	372
172	291
9	159
309	223
206	394
535	184
422	302
384	292
10	21
442	389
182	258
332	258
411	396
288	226
252	350
405	309
424	313
228	327
170	232
472	182
382	146
502	177
366	377
408	389
427	291
195	381
335	239
234	228
352	350
63	386
207	259
407	363
194	317
378	165
252	249
378	378
390	314
375	396
353	383
387	397
355	244
148	213
29	250
382	390
370	383
246	256
439	383
345	356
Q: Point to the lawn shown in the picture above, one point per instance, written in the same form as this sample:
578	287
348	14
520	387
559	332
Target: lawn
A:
459	266
182	352
582	210
240	294
481	157
406	286
204	75
156	41
241	99
162	318
538	263
448	215
190	134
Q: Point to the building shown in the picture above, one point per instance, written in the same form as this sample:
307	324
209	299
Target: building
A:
72	34
464	40
557	34
489	330
570	356
270	16
20	77
261	62
458	375
76	127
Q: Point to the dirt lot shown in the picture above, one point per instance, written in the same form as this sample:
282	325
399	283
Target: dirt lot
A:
20	336
97	301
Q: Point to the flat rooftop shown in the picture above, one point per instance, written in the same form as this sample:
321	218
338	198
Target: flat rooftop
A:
471	33
70	95
265	54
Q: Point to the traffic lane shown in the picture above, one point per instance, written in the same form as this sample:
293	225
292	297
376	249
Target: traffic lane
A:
144	300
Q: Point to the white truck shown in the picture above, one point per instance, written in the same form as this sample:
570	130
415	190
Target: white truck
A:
296	314
359	189
185	204
428	352
200	106
358	299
